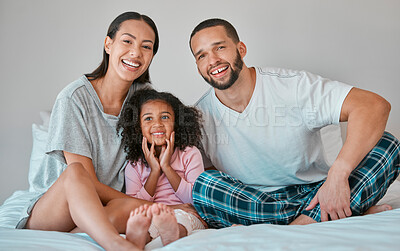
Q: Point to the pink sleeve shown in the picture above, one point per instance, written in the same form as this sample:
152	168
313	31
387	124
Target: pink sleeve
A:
194	167
133	182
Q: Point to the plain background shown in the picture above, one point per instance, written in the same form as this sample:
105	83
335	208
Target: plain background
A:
47	44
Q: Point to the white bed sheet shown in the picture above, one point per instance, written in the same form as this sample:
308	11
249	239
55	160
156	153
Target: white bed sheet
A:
35	240
372	232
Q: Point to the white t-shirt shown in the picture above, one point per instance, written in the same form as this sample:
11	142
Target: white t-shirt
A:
276	140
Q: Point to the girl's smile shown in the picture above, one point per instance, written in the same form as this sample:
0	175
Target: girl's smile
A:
157	121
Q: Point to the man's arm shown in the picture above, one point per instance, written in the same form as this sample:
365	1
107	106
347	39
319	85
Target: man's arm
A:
366	114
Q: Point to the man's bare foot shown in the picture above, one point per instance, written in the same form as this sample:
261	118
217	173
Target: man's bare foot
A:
137	227
165	222
378	208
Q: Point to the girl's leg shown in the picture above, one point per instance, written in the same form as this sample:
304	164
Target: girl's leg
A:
188	221
137	228
119	210
163	219
73	201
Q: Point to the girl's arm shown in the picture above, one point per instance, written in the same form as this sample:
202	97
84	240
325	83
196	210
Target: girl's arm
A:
173	178
105	192
152	180
193	168
165	163
133	181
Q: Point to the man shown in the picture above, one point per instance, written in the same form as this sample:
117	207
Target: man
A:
262	132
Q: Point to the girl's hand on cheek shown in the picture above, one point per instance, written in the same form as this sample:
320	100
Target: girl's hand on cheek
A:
149	155
167	151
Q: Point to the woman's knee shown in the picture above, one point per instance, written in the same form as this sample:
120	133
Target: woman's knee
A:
73	173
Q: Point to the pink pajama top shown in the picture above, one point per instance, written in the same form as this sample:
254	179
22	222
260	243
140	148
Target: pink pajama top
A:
188	164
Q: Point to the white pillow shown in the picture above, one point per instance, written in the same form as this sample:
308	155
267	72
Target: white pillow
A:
45	116
39	134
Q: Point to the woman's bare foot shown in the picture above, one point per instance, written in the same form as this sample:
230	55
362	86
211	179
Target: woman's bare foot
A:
120	244
137	227
165	222
378	208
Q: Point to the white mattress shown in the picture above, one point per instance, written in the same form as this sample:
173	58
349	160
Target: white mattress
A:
372	232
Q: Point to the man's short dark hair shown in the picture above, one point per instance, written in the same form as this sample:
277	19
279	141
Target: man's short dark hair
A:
230	30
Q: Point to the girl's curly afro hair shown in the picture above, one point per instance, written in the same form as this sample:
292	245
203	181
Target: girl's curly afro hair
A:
187	124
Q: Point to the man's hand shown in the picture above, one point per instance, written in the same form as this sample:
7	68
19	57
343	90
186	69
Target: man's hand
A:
334	198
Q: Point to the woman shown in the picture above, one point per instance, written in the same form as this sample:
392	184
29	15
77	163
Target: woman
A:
83	138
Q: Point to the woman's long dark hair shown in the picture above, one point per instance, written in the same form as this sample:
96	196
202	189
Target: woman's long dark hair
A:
112	30
187	124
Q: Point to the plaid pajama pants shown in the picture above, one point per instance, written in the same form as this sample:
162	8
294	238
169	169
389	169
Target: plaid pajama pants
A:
222	200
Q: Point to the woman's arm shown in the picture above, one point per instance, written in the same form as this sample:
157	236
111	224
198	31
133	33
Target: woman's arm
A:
105	192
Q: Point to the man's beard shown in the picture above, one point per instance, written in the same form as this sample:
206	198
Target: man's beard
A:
238	65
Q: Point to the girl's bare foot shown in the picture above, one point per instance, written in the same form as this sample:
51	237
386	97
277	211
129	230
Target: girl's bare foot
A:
137	227
165	222
378	208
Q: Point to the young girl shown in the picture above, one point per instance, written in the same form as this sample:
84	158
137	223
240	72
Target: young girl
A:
160	136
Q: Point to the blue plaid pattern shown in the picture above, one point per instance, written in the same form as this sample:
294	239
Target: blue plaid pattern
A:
222	200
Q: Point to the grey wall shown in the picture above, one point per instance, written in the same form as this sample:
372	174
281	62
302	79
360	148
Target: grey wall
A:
47	44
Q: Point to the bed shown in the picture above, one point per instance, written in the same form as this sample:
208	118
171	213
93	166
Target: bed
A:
371	232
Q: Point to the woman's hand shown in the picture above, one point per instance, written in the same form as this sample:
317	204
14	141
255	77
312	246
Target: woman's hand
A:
150	157
166	152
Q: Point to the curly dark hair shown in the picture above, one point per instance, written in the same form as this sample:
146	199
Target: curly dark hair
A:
187	124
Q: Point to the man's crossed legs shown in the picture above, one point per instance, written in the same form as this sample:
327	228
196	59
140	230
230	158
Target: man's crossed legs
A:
222	200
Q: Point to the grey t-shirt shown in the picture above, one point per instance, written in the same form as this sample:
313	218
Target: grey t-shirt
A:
79	125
